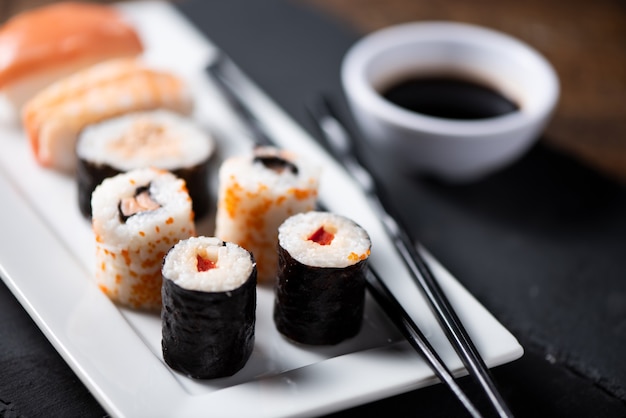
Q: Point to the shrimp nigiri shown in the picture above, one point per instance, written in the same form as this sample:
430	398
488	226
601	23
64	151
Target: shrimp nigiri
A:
47	43
56	115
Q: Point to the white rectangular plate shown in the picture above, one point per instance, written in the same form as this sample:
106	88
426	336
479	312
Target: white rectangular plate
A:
47	260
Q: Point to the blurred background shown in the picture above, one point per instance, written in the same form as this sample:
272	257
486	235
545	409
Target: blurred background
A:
571	238
585	41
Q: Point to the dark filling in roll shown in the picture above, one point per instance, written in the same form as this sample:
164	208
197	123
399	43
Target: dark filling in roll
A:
276	163
141	202
207	335
318	305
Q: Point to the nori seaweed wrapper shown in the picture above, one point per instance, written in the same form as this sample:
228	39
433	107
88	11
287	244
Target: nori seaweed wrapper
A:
318	305
89	175
207	335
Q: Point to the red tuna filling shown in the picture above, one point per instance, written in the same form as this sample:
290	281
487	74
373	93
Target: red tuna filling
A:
322	236
204	264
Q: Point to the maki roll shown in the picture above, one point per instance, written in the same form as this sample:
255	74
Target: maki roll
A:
137	217
320	291
209	303
256	193
159	138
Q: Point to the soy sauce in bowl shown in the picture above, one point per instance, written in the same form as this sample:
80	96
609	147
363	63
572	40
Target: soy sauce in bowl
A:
475	130
449	98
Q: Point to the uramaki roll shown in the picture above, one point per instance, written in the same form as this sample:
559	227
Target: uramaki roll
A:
256	193
320	292
209	303
158	138
137	217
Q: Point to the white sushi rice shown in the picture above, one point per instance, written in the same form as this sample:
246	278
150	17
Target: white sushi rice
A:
165	188
250	173
233	265
129	254
253	200
158	138
350	243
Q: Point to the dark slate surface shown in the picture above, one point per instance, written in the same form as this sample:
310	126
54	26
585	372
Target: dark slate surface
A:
540	244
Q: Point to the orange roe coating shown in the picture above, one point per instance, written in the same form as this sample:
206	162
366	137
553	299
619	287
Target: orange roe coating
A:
126	257
256	194
232	197
302	194
257	214
147	291
356	257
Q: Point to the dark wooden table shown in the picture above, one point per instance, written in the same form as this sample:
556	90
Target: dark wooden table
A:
554	274
586	43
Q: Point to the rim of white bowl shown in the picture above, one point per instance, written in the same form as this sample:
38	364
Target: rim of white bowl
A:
359	89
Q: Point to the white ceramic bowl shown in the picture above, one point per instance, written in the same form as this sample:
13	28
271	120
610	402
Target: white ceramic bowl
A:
455	150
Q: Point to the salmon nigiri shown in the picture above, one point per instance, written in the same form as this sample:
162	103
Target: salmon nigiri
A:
54	118
44	44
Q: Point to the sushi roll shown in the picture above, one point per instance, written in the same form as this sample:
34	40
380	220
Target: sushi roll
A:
137	217
159	138
54	117
256	193
209	304
320	291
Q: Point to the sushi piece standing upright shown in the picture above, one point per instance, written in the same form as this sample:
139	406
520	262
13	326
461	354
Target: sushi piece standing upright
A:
320	292
137	217
209	304
256	193
158	138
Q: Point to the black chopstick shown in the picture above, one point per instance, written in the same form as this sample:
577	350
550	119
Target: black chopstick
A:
396	313
218	70
377	288
341	142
